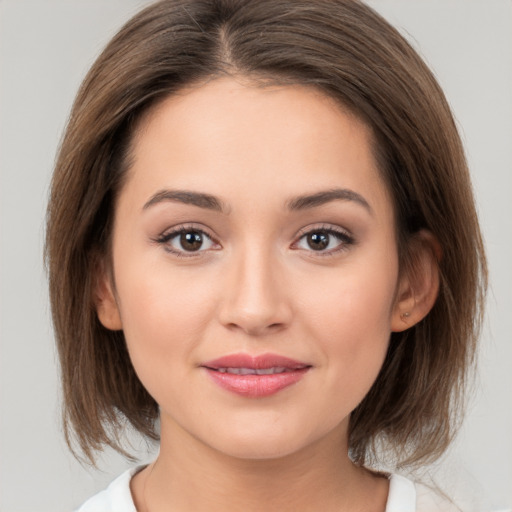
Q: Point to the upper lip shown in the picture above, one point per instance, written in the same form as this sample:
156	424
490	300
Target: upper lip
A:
258	362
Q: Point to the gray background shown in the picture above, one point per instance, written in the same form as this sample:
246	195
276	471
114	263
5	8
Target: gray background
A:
45	49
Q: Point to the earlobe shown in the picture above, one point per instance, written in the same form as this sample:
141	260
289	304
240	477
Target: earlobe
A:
419	284
105	301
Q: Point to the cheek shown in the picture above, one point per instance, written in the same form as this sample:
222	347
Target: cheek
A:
356	299
163	316
349	316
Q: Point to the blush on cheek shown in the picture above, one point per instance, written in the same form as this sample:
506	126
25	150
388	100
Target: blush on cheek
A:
353	326
158	320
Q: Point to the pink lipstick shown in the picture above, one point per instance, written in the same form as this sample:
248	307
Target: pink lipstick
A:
255	376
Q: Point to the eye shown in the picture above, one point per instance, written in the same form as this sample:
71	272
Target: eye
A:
324	240
186	240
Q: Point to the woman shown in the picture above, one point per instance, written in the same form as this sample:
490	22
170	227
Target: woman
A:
271	247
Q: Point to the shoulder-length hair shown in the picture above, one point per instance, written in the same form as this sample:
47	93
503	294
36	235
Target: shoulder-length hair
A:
346	50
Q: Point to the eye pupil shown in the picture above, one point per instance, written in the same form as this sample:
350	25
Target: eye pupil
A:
191	241
318	240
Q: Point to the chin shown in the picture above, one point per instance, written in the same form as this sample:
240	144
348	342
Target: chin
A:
273	442
257	450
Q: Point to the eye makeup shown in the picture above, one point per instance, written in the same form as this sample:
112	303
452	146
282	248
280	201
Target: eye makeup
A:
190	240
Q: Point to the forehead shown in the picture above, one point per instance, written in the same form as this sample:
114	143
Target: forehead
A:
228	137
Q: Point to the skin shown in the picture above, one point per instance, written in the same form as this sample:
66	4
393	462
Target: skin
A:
257	286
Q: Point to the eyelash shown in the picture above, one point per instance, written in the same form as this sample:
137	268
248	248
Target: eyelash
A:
343	237
166	237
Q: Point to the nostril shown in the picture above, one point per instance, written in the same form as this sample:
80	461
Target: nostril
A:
253	302
255	329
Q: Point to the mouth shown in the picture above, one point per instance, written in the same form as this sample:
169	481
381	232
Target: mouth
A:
255	376
253	371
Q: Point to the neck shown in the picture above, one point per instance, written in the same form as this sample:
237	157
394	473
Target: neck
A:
191	476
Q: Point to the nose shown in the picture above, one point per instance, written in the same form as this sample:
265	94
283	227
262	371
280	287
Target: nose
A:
255	297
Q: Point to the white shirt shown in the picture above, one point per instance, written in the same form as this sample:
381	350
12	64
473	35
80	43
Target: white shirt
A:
404	496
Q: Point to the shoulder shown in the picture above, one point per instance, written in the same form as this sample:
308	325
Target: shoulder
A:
116	497
408	496
428	499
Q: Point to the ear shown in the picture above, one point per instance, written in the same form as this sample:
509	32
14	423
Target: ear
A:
105	300
419	283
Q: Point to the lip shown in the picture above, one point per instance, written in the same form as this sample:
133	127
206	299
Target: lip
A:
246	382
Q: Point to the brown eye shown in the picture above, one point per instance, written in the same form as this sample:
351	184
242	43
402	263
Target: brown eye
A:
318	240
186	240
325	241
191	241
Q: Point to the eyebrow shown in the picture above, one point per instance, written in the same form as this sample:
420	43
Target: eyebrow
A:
326	196
199	199
304	202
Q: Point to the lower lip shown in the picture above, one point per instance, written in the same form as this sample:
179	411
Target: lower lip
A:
256	386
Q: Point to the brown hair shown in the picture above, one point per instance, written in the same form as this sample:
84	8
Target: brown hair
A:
349	52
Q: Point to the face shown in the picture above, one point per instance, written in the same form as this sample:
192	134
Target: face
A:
255	267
